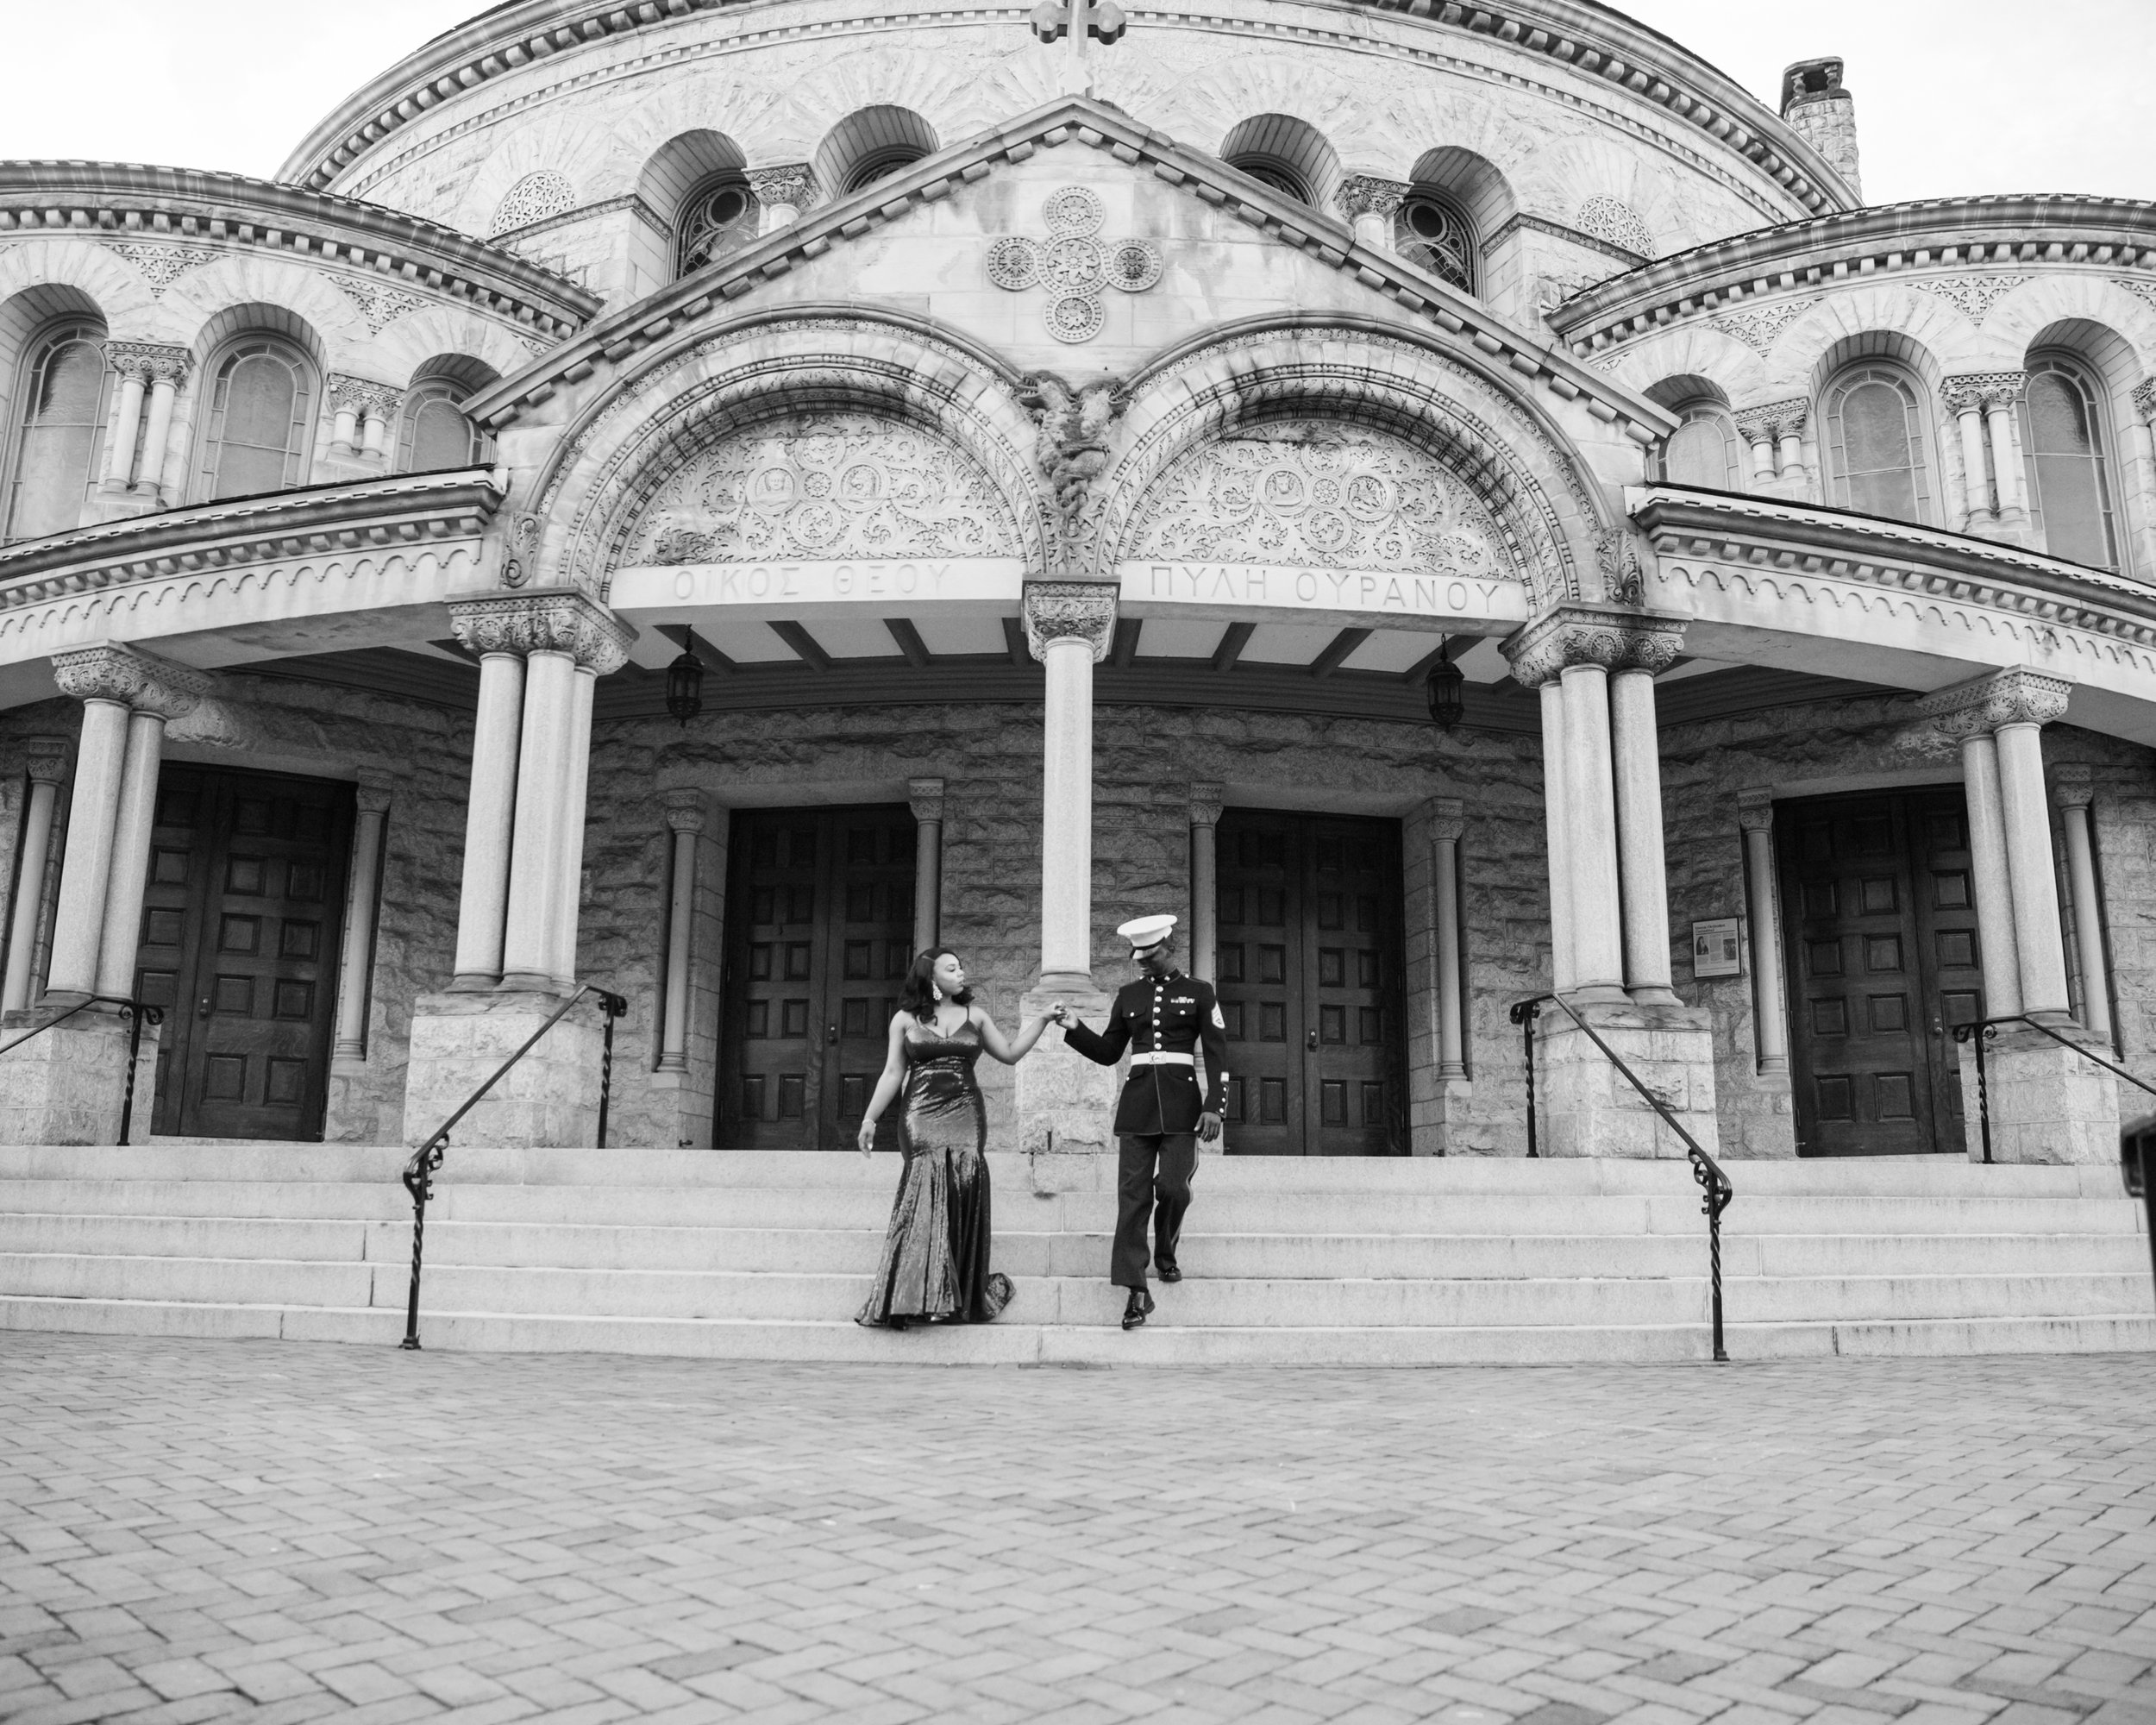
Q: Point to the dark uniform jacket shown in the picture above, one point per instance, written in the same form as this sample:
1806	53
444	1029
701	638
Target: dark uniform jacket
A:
1173	1014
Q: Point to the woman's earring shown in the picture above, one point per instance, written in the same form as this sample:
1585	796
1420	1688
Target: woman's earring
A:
936	990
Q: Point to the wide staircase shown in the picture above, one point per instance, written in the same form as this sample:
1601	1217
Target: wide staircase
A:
757	1256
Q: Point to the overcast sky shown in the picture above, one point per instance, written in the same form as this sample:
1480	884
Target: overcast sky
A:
1952	95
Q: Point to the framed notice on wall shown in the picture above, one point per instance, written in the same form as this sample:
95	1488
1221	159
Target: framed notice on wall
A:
1714	947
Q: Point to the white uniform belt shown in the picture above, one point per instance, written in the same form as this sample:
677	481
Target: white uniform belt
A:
1163	1059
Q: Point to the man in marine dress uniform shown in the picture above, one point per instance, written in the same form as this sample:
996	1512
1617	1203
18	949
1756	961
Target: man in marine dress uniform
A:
1162	1017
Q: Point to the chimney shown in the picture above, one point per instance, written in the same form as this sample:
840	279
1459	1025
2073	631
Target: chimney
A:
1823	114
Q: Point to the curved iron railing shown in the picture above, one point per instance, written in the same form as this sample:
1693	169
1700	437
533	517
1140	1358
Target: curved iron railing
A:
1715	1190
426	1161
137	1013
1989	1028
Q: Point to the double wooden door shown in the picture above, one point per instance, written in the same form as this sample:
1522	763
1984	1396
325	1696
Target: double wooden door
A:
1311	963
819	918
242	922
1879	928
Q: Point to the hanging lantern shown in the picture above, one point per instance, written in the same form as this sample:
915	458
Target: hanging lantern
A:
1446	689
685	683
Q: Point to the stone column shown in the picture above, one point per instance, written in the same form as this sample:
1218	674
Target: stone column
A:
2141	433
2047	1103
1447	825
2006	454
685	820
127	415
67	1087
1564	971
344	413
568	640
1613	875
785	192
1769	1005
167	370
2074	795
355	993
1066	1103
1964	399
926	797
491	631
1370	205
48	762
1205	881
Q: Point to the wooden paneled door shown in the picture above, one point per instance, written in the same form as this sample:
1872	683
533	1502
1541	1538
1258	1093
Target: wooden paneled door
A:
1311	983
242	922
1879	923
819	932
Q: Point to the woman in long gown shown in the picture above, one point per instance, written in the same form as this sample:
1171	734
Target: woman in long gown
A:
934	1263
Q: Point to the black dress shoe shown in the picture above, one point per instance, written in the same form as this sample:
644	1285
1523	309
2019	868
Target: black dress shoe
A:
1167	1272
1141	1303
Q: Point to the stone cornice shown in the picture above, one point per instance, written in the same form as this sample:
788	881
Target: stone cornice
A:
136	679
1092	125
1070	610
1588	39
405	509
128	200
2016	696
1765	533
1612	637
2114	234
544	620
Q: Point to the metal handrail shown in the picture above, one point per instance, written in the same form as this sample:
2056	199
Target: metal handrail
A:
137	1013
1967	1033
426	1161
1716	1192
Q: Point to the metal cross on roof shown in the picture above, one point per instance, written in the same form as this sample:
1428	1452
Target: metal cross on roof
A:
1076	268
1077	21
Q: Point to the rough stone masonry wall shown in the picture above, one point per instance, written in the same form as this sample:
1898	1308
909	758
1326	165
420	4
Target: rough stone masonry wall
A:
1830	747
1146	760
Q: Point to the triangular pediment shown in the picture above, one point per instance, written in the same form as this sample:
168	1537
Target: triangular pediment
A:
1075	241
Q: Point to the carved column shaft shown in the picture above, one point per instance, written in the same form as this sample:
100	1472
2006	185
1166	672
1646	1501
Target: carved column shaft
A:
926	796
2074	798
48	766
489	816
354	995
1205	881
1770	1004
685	820
1446	830
1564	970
1069	626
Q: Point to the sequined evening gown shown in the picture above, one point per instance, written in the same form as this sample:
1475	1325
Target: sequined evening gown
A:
935	1262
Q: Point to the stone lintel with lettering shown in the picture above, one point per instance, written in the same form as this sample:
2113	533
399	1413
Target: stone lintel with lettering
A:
1258	592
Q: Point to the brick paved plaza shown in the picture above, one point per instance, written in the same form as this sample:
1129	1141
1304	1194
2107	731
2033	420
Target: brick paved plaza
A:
202	1530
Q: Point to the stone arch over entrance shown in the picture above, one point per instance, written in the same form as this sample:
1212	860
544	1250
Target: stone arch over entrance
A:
1417	414
874	381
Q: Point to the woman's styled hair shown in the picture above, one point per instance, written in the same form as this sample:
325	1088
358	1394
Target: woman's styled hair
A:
918	995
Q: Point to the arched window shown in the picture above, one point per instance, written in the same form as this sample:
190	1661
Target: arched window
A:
62	400
1877	455
1432	231
719	216
1705	450
261	421
434	433
2069	481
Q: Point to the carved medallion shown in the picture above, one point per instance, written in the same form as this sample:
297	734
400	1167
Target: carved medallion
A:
1076	267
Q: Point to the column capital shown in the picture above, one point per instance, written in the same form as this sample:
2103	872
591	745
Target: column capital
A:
135	679
687	809
925	798
2016	696
47	758
364	396
1972	392
544	620
791	184
151	361
1580	634
2144	401
1069	610
1448	819
1204	805
1755	809
1366	194
376	790
2071	787
1772	419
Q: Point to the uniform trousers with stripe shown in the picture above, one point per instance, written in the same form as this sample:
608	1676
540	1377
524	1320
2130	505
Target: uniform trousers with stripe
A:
1153	1173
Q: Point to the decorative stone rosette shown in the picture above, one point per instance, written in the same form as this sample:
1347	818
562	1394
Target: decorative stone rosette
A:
545	620
1065	611
2017	696
136	681
1615	639
1076	267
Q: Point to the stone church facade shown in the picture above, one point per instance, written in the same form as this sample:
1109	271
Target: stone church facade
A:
707	501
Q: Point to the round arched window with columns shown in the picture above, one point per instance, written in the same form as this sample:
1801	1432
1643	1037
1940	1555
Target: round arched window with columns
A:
718	218
1431	230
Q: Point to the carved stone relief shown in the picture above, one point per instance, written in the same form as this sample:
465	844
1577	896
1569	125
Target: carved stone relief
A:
1975	294
161	265
825	485
1606	218
1758	328
1334	496
533	198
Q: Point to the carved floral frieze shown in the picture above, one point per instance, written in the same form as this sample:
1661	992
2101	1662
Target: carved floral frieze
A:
826	485
1331	497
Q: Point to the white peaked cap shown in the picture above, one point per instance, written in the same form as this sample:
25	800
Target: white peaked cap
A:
1145	933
